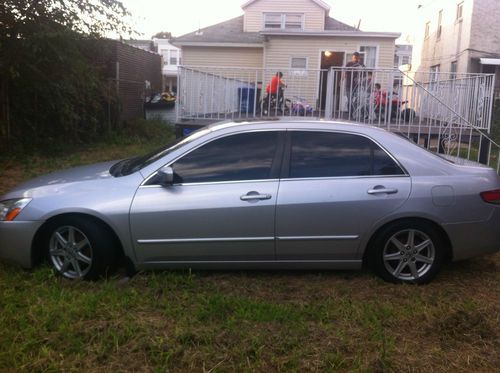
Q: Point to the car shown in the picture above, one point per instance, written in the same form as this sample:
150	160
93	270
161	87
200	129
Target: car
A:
261	195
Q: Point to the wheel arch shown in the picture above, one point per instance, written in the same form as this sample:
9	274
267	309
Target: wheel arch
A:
37	250
438	227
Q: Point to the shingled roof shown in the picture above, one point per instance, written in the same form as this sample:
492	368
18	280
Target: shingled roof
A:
331	24
231	32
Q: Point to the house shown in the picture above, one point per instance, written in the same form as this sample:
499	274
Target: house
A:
459	36
172	59
297	37
402	60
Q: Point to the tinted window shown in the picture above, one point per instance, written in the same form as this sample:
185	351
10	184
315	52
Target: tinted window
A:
327	154
247	156
383	164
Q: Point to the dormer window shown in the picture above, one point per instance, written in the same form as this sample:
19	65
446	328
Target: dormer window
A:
284	21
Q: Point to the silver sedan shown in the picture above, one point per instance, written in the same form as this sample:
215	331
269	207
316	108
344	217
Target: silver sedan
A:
293	195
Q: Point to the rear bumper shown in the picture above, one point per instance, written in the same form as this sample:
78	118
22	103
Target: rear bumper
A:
474	239
16	239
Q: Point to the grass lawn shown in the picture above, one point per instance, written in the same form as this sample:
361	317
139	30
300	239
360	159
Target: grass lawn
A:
241	321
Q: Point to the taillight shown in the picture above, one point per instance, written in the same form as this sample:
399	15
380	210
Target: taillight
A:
491	196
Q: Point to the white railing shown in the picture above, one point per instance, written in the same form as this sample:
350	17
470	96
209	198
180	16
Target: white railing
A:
208	93
448	114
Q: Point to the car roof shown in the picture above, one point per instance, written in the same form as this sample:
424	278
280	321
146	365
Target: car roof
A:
296	123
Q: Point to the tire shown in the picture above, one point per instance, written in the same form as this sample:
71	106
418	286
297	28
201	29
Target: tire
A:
396	259
80	248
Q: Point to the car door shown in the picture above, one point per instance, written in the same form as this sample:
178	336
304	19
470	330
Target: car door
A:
221	206
335	186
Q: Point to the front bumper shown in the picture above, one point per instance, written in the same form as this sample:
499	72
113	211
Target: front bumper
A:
16	238
474	239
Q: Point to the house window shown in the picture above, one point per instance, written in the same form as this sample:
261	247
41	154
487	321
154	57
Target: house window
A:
368	55
288	21
460	11
164	54
173	57
293	21
299	63
434	74
453	70
427	29
440	26
405	60
272	20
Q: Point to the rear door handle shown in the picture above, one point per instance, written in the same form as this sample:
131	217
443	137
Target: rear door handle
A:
382	190
255	196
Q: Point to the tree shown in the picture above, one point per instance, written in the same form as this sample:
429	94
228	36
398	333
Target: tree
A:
45	75
162	35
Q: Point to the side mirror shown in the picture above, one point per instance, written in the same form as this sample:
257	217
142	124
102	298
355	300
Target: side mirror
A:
166	176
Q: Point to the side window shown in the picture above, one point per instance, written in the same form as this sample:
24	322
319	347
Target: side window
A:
247	156
328	154
383	164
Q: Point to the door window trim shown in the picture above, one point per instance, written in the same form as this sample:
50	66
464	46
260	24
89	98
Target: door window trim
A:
285	168
276	164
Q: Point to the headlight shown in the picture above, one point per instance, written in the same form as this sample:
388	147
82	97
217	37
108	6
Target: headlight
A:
11	208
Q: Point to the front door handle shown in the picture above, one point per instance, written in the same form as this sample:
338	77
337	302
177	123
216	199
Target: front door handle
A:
255	196
379	189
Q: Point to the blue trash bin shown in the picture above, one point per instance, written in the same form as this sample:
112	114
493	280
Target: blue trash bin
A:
246	99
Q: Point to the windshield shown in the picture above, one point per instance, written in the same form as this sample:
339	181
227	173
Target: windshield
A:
131	165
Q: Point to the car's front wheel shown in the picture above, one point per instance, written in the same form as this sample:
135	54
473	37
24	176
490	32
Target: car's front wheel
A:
80	248
408	252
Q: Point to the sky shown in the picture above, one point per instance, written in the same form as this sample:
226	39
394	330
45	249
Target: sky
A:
182	16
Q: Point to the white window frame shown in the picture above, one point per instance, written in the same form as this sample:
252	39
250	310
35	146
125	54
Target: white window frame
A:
301	15
176	57
427	31
439	30
435	71
283	21
299	71
348	55
460	12
273	14
299	57
453	69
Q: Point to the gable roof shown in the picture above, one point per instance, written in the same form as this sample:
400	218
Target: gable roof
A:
322	4
230	31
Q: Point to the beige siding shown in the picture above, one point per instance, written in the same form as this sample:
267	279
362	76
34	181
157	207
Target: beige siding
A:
222	57
280	50
313	13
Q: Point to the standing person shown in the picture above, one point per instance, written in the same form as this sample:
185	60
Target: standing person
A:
352	81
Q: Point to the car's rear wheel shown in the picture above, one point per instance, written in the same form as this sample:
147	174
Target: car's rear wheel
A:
80	248
408	252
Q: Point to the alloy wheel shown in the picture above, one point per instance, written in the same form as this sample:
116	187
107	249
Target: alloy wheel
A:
70	252
409	254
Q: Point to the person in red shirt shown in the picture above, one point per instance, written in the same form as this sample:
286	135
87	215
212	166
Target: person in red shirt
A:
274	99
276	84
381	100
